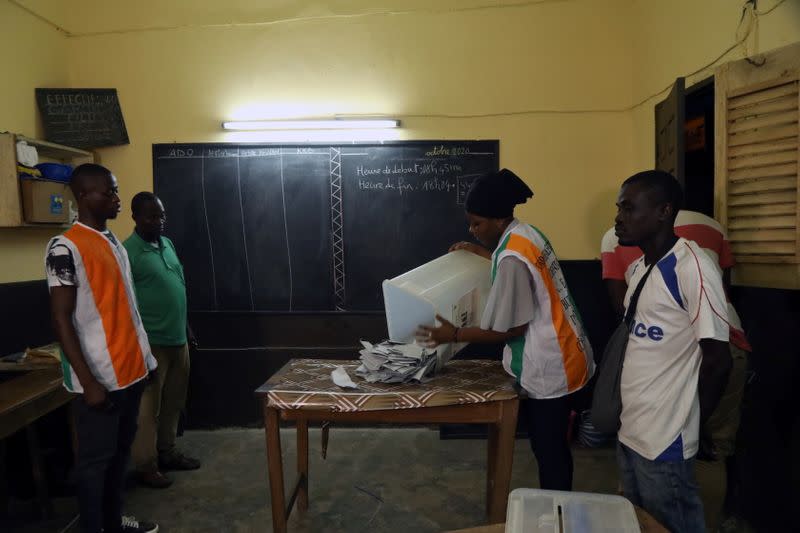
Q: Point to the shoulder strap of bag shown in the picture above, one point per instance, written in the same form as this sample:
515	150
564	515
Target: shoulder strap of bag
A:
635	296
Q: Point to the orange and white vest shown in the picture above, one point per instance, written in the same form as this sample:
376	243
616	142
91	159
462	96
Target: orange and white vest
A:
106	318
554	357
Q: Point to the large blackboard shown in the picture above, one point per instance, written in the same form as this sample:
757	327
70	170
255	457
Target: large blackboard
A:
82	118
312	227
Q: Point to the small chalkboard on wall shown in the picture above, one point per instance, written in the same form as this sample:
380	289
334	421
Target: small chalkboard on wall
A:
82	118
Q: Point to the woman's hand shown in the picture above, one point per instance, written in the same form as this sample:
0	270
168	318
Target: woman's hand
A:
476	249
431	337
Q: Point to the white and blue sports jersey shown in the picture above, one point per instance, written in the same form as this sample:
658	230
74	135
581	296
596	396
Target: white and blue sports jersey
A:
682	302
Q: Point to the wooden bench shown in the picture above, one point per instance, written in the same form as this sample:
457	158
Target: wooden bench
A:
23	400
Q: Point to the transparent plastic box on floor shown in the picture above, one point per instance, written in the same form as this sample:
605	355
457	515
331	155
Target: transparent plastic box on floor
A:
553	511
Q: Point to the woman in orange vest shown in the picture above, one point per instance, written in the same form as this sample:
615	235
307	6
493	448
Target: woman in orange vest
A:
530	310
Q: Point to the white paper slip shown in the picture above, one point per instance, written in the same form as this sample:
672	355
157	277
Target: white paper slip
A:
389	362
420	373
412	350
342	378
372	362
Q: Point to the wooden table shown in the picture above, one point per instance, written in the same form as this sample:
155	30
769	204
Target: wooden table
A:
23	400
27	366
463	392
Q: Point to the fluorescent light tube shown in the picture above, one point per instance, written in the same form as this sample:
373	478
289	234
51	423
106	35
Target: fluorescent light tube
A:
321	124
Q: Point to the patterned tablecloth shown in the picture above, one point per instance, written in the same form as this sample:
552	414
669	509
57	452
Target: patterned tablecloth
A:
307	384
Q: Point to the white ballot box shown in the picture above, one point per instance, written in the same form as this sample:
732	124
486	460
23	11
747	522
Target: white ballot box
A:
552	511
454	286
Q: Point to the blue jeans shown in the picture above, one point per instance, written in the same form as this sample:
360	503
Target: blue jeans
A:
665	489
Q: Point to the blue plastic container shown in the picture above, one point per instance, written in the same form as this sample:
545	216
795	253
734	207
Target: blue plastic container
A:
55	171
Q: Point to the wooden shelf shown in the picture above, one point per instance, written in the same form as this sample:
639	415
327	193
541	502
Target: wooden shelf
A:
11	211
50	150
44	225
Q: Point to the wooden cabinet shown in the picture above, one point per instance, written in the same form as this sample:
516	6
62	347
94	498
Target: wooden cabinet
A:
11	214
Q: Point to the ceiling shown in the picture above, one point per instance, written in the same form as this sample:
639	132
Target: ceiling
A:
88	17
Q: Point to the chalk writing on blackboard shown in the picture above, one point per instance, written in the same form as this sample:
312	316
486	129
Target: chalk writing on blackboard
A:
312	227
447	150
464	183
83	118
259	152
221	152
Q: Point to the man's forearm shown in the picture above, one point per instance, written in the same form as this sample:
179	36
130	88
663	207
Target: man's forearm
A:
190	336
616	289
487	336
71	347
714	371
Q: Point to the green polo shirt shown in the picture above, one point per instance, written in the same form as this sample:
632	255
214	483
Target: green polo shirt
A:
160	289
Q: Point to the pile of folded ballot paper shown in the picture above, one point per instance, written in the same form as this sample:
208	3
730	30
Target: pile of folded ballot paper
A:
392	362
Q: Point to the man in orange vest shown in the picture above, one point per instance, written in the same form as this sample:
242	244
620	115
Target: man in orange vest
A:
106	356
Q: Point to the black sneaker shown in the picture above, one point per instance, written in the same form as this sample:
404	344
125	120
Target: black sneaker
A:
131	525
177	461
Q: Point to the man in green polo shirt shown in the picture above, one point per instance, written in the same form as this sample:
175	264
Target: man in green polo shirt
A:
161	295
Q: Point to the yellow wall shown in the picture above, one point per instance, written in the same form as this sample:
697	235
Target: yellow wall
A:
675	38
33	54
178	84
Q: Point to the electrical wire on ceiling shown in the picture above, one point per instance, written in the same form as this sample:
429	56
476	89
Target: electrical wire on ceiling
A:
36	15
295	20
770	10
749	14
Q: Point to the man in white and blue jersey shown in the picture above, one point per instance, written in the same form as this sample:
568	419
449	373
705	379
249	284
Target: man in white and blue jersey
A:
677	359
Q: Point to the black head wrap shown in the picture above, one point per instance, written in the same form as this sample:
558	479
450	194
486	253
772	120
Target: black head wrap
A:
495	195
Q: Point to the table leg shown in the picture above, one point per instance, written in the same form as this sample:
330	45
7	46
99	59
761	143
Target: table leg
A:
501	441
39	476
275	465
302	464
491	465
4	489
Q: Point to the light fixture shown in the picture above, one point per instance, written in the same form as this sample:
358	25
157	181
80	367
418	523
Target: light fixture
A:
313	124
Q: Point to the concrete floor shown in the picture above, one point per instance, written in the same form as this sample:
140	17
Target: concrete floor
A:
374	480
